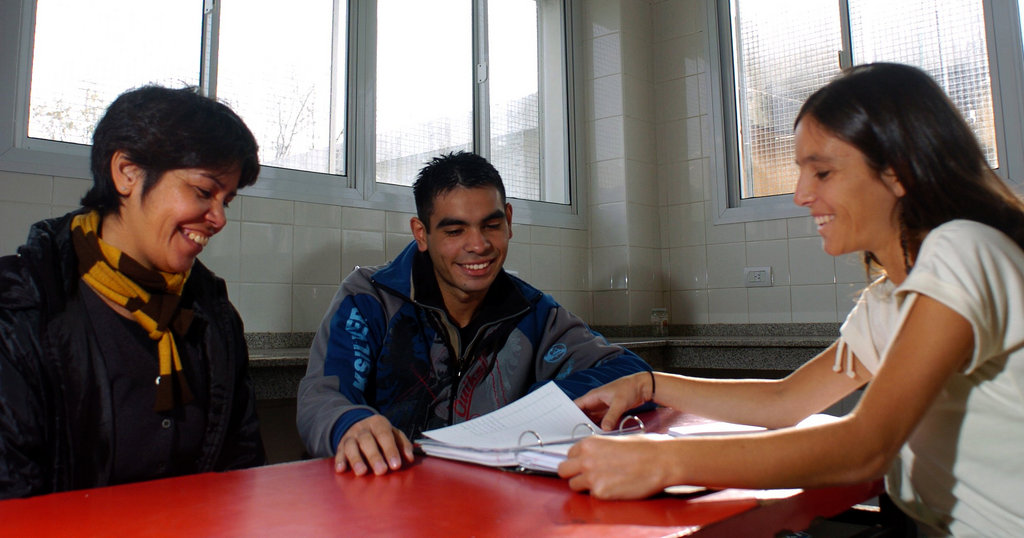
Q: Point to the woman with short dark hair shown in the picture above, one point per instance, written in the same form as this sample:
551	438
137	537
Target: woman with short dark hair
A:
122	359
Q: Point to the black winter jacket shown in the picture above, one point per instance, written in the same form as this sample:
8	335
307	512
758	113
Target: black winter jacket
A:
56	416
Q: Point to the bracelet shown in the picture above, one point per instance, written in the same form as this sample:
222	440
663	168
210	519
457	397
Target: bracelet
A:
652	384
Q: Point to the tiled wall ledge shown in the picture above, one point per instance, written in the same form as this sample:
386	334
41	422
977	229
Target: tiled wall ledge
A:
278	360
728	350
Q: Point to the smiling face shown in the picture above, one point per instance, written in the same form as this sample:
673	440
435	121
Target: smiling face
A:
467	241
168	227
853	206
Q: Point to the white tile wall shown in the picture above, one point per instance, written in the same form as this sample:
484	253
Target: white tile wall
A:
645	270
640	305
607	97
323	215
686	225
611	307
728	305
518	260
688	268
355	218
816	303
546	266
361	248
725	265
602	17
608	225
607	139
577	302
765	229
846	296
309	306
607	56
398	223
317	255
607	182
394	244
643	225
223	255
265	307
774	254
642	183
266	252
610	268
26	188
808	263
689	307
268	210
68	192
651	240
769	305
18	217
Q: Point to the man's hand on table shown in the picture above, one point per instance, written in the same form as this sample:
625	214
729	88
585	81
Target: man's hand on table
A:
372	444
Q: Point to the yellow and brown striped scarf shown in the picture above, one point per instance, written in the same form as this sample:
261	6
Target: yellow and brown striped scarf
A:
152	297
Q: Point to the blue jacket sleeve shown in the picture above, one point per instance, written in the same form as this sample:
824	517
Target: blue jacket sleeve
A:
575	356
332	394
580	382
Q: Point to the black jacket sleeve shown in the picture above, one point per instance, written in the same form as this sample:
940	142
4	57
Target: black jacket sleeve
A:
25	467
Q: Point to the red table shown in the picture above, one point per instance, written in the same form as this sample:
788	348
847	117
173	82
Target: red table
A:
433	497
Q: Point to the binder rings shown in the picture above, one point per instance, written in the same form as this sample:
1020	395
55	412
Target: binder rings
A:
533	433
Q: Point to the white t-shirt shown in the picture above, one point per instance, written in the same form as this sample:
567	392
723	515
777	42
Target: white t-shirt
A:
961	472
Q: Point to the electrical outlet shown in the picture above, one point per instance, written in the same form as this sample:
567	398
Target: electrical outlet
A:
757	276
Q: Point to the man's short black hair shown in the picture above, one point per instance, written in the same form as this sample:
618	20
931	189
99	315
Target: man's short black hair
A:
162	129
448	171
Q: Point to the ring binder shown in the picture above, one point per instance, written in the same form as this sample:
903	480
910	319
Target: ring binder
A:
639	424
540	442
499	439
590	429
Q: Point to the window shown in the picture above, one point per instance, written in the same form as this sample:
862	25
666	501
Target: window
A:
72	86
440	89
773	55
424	84
347	98
281	87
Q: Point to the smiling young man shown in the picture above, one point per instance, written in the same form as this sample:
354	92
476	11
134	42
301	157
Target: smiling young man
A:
441	334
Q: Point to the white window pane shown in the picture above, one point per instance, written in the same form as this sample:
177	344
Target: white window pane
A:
783	52
87	53
515	108
275	70
946	38
424	84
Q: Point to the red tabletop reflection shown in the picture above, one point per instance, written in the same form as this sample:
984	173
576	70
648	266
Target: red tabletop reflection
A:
432	497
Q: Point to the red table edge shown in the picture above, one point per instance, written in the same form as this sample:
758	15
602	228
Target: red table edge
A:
794	514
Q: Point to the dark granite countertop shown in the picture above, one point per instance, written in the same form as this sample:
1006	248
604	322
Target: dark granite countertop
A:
292	349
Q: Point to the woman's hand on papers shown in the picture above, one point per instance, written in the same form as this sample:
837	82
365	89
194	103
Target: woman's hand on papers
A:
372	444
616	467
606	404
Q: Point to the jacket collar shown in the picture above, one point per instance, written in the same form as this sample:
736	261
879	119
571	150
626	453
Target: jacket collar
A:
411	274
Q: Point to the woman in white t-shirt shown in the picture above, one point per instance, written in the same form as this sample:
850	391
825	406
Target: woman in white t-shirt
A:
889	168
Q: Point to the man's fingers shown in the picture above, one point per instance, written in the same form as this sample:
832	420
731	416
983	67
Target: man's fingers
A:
374	449
340	462
406	446
354	455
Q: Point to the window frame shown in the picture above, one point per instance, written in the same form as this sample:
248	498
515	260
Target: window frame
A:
1006	65
358	188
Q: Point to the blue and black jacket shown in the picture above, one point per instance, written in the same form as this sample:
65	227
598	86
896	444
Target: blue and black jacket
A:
387	346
